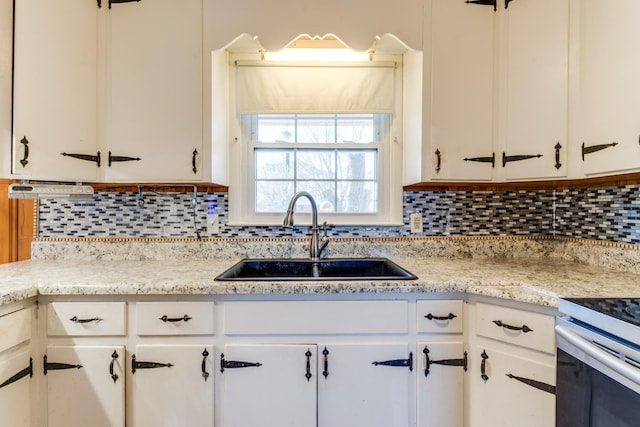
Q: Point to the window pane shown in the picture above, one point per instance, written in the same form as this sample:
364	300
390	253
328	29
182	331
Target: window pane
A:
320	129
273	196
274	164
315	164
276	129
357	197
357	164
357	129
323	193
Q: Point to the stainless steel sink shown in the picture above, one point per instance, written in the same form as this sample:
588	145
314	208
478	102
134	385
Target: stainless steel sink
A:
306	269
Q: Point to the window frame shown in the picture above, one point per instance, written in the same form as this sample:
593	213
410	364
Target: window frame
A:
390	167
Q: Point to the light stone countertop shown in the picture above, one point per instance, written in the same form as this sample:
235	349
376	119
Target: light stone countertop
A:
539	281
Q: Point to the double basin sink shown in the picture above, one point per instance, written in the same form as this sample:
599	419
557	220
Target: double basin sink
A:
306	269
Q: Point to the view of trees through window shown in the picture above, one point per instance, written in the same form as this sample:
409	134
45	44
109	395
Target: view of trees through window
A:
333	157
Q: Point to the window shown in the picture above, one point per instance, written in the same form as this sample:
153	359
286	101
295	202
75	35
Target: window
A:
332	129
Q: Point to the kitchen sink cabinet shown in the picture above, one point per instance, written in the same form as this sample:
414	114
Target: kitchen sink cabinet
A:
607	104
498	90
16	368
55	92
155	91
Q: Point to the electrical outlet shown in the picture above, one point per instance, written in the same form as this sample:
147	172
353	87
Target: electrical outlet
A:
415	219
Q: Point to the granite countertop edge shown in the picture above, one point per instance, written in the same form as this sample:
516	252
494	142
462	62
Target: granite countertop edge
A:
539	282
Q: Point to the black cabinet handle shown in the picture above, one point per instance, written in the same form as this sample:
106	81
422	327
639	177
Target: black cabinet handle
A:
535	384
493	3
523	328
234	364
595	148
114	357
75	319
450	316
439	160
397	362
307	374
205	374
54	366
325	363
194	157
557	147
184	318
483	366
23	373
135	364
86	157
24	141
445	362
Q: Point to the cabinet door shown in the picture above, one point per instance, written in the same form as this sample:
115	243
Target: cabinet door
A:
462	53
55	89
173	385
155	104
537	60
609	93
269	385
15	393
441	383
364	385
85	386
517	391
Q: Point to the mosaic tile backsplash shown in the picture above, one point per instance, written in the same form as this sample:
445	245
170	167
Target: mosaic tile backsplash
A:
611	214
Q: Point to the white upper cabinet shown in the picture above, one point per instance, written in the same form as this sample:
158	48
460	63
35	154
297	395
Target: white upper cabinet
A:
608	103
461	89
537	73
55	89
498	90
6	65
155	91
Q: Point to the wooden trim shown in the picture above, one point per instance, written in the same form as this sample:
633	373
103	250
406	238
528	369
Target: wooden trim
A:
17	224
567	184
179	187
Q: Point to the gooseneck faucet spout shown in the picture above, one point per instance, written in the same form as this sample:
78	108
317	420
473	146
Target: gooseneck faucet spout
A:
317	245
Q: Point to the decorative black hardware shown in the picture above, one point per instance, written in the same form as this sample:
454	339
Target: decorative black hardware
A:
122	158
120	1
233	364
491	159
483	366
594	148
397	362
75	319
99	4
493	3
446	362
325	363
557	148
53	366
450	316
308	375
184	318
194	156
114	357
439	157
205	374
506	3
23	373
146	365
523	328
506	159
535	384
24	141
87	157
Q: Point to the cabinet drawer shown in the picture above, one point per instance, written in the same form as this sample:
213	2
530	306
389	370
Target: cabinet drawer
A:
444	316
175	318
15	328
315	317
86	318
509	325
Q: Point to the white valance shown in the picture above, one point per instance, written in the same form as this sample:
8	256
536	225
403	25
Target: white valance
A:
272	88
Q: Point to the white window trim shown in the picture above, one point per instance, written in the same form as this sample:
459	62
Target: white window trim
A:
240	195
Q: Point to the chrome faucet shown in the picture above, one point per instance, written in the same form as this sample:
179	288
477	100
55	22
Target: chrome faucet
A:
317	245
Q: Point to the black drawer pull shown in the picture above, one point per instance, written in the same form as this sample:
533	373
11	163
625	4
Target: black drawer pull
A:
523	328
75	319
483	366
450	316
114	357
184	318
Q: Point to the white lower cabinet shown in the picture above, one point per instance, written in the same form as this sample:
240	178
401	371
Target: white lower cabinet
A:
16	370
173	385
85	385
